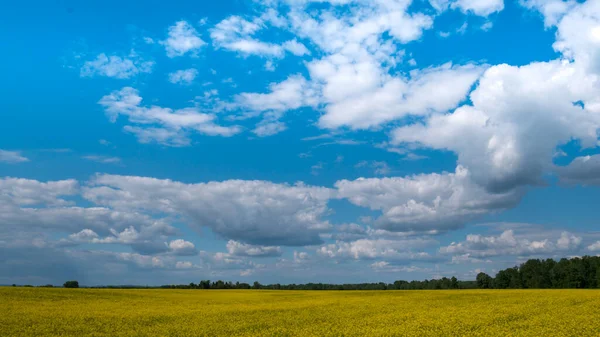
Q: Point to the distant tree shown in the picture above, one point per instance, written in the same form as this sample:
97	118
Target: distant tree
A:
256	285
484	281
453	283
218	285
515	278
14	285
71	284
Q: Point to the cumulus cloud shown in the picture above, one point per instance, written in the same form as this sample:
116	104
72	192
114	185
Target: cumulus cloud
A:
425	202
236	248
595	247
174	125
236	34
376	97
477	7
293	93
552	10
508	137
116	66
12	157
35	210
28	192
254	212
354	80
221	262
146	240
182	39
582	170
384	266
182	248
268	128
398	251
508	244
186	76
578	36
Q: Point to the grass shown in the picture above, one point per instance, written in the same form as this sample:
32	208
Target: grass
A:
103	312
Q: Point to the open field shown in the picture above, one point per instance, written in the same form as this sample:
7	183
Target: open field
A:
87	312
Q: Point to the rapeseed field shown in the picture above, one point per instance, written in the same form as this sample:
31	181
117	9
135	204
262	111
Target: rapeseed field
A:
103	312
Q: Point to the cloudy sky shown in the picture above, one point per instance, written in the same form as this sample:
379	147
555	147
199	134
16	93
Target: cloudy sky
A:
295	140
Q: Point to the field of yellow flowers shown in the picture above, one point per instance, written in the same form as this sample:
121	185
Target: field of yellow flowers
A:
100	312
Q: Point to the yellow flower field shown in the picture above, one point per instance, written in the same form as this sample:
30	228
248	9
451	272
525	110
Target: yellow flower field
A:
87	312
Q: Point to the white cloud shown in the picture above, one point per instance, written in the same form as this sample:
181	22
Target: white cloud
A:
296	48
236	34
174	125
268	128
354	80
12	157
167	137
103	159
142	261
398	251
27	192
146	240
479	7
115	66
384	266
182	39
363	95
236	248
487	26
427	201
220	262
578	37
182	248
269	66
186	76
379	167
333	30
508	137
84	235
508	244
552	10
33	209
255	212
467	258
595	247
293	93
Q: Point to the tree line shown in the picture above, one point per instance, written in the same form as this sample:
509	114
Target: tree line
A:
578	272
443	283
575	273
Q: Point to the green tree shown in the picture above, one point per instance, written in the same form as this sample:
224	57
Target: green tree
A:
454	283
71	284
484	281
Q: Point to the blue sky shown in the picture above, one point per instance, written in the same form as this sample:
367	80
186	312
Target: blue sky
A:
296	140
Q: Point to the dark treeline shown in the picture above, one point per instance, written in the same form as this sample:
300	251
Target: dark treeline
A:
444	283
577	273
